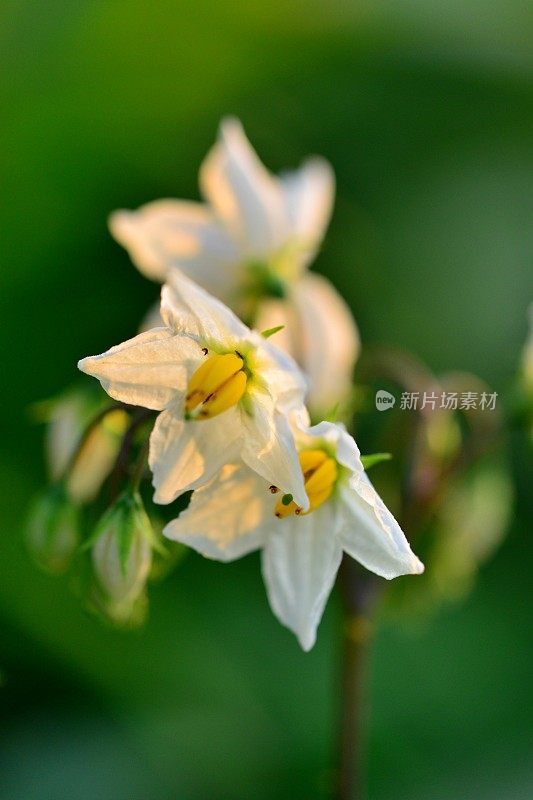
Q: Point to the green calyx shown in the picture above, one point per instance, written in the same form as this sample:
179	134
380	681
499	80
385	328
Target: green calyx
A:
264	282
374	458
126	518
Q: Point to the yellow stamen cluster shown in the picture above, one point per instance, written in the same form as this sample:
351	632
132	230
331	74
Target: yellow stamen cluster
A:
320	473
217	384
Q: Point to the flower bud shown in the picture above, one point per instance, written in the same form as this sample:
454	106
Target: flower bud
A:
524	401
97	456
67	419
122	555
53	530
470	525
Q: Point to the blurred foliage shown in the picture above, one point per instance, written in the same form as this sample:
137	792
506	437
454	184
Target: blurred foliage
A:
425	109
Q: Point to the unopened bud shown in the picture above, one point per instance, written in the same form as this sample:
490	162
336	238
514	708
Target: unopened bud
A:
53	530
97	456
68	417
122	554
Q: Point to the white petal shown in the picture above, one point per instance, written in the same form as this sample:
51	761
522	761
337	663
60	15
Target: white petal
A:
268	448
174	233
243	193
188	308
228	517
309	194
300	561
184	455
320	334
335	435
147	370
329	341
286	382
369	533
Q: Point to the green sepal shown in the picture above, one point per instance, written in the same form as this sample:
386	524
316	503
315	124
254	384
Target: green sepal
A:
125	532
145	527
264	282
271	331
375	458
127	517
117	510
333	414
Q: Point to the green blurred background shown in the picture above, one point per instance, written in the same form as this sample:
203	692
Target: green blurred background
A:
425	109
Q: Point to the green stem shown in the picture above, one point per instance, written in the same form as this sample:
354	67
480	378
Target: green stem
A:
140	466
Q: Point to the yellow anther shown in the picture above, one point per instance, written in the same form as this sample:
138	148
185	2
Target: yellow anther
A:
323	477
215	386
311	459
320	473
226	396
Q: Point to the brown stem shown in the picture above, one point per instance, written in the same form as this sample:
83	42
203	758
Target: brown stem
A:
121	464
358	591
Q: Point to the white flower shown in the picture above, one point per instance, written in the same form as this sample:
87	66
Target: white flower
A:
223	390
301	552
253	240
252	219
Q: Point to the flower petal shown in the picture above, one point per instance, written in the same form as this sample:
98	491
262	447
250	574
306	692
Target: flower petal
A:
320	334
174	233
309	193
243	193
335	435
268	448
185	455
228	517
299	562
329	341
147	370
286	382
369	533
187	308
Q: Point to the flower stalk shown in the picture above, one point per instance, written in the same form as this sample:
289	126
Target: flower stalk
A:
359	592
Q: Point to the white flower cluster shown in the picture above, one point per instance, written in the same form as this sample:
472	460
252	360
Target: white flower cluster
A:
233	422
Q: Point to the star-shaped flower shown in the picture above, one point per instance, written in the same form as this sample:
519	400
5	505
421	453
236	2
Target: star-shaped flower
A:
254	226
301	550
250	244
224	393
